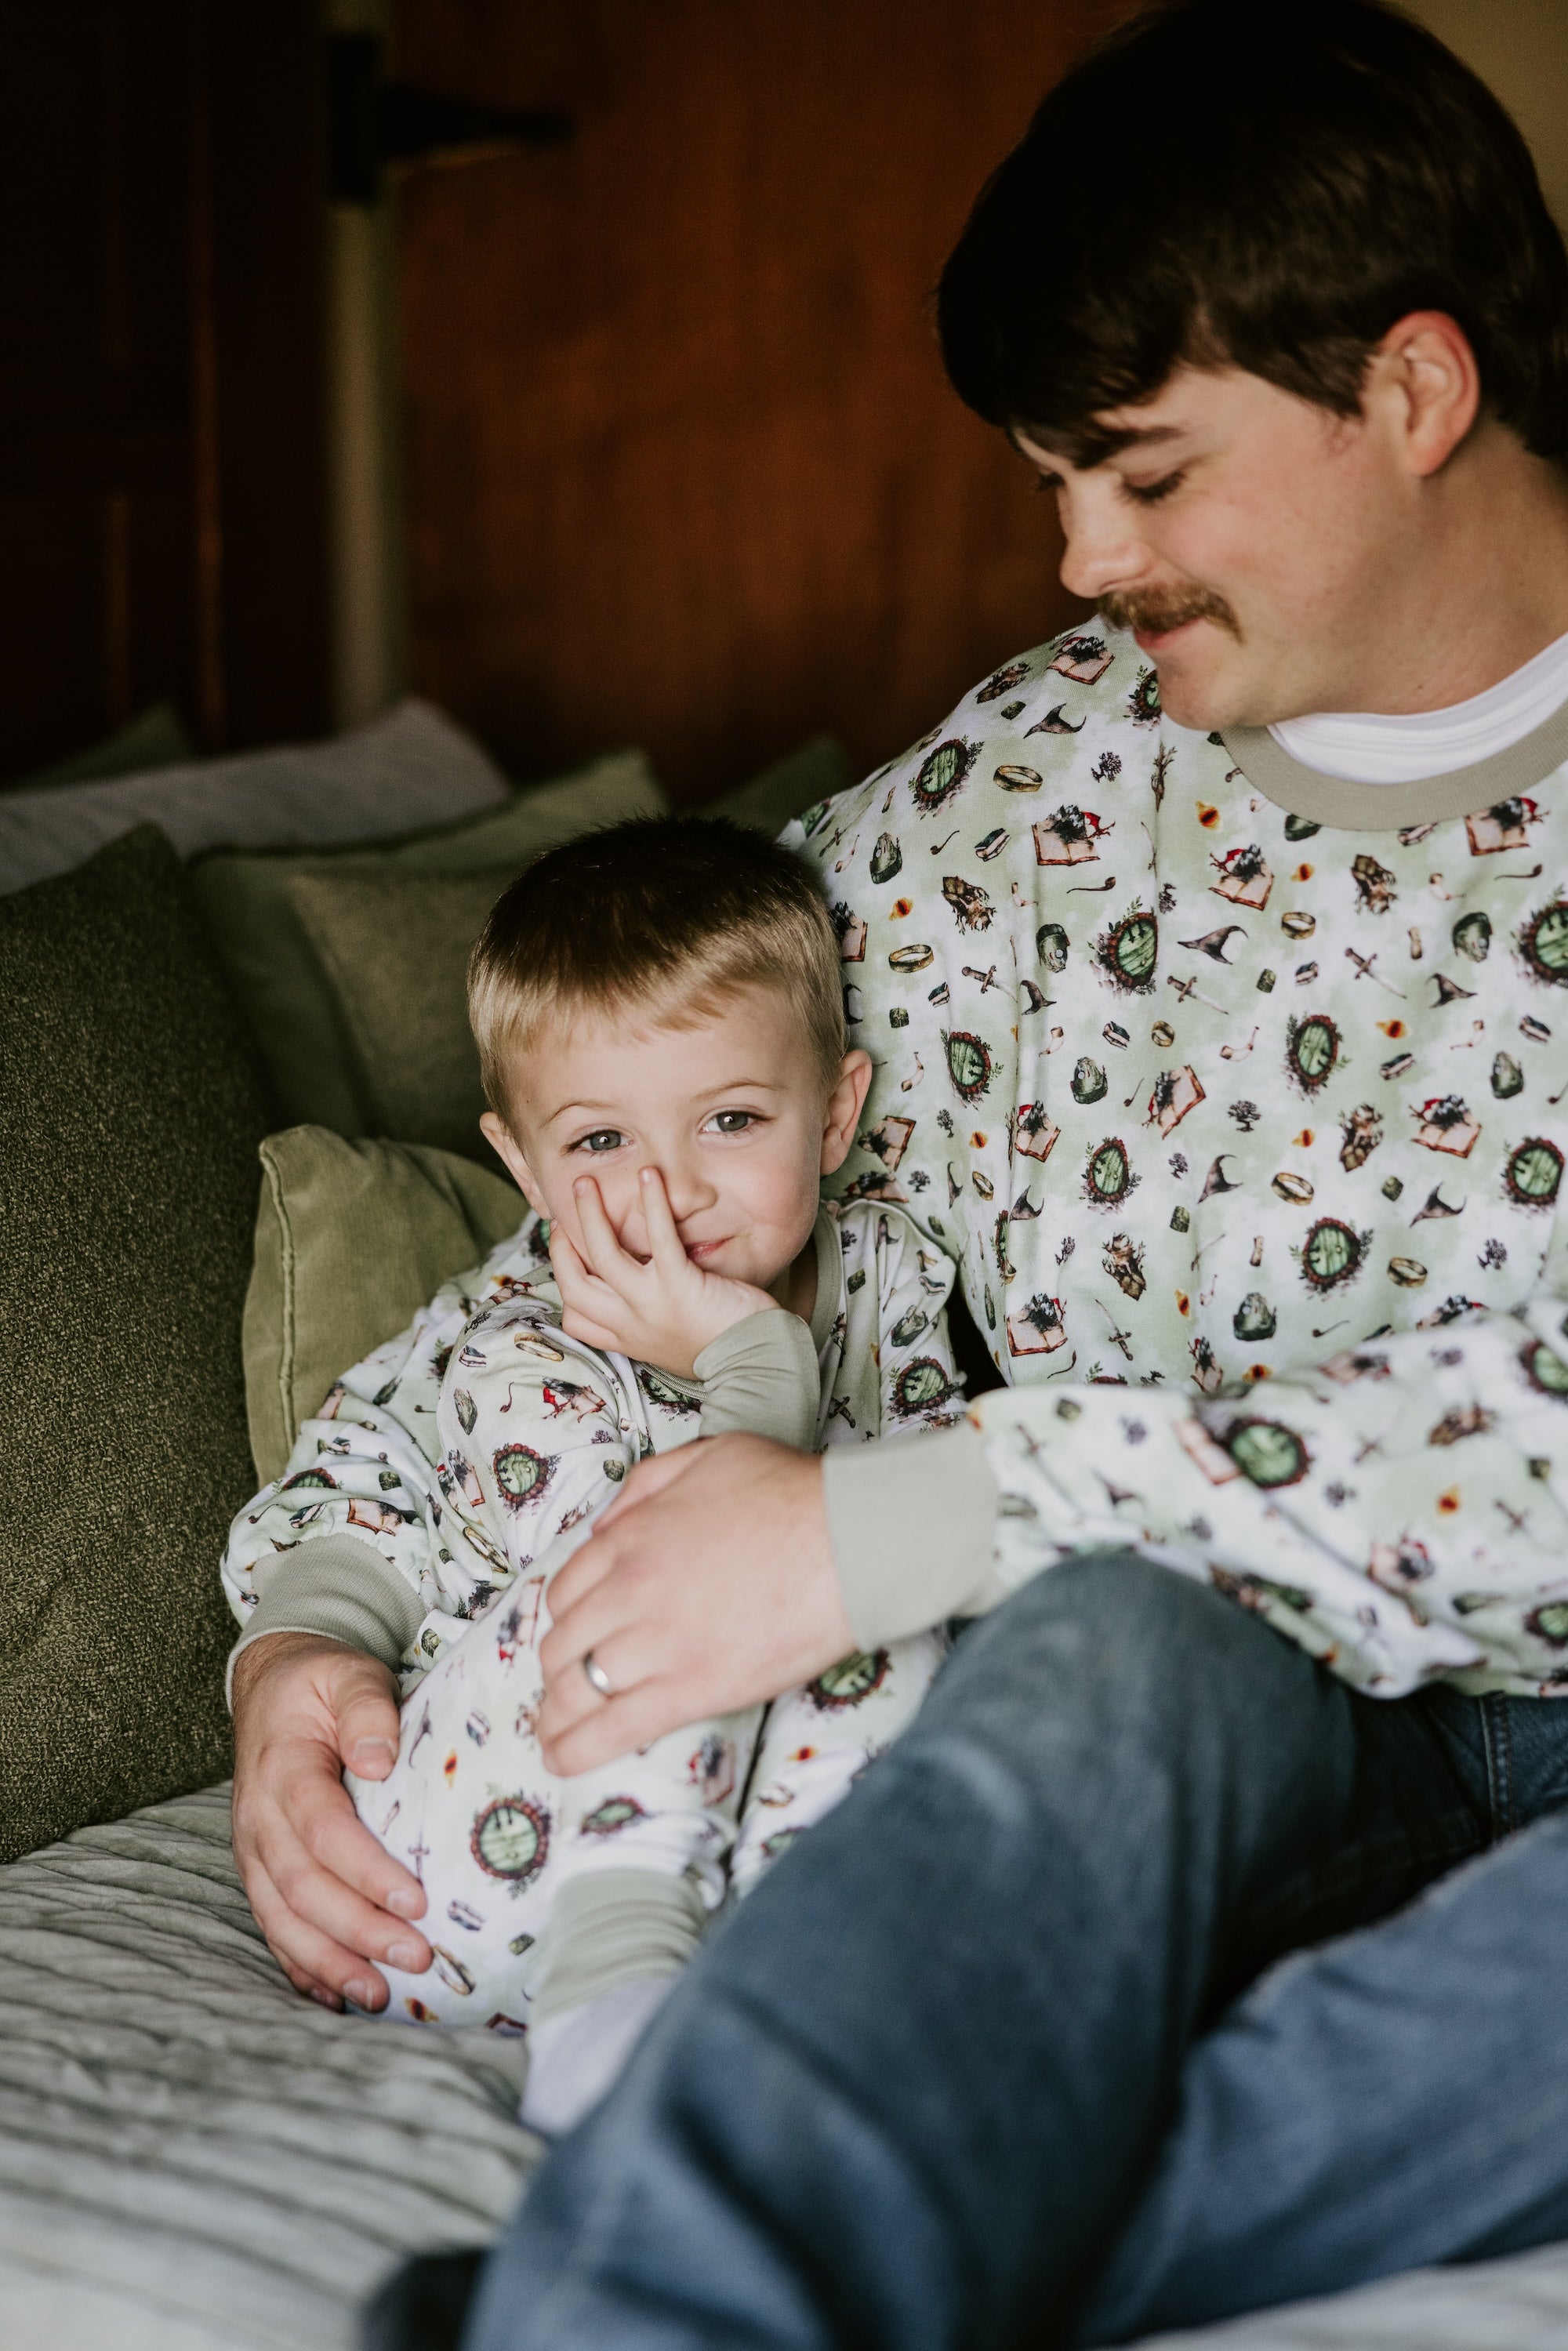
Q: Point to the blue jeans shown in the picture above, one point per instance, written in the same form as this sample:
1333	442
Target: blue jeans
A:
971	2063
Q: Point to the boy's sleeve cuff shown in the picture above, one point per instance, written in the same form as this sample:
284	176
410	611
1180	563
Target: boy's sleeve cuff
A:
340	1588
761	1376
912	1527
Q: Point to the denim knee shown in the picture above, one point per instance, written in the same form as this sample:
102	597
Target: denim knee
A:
1114	1622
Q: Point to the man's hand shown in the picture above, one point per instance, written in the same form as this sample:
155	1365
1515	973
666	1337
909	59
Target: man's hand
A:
707	1585
325	1894
664	1311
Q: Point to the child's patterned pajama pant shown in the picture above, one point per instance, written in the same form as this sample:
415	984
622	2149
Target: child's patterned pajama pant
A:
492	1835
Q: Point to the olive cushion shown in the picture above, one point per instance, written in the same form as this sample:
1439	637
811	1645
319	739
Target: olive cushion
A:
350	964
813	771
131	1104
351	1240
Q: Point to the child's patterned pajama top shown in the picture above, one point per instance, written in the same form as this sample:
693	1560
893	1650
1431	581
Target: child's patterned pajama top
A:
465	1462
1240	1093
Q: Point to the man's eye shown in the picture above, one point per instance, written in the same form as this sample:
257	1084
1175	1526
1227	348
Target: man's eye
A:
734	1122
1149	494
603	1138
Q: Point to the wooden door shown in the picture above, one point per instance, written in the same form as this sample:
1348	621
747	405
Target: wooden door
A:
161	504
682	467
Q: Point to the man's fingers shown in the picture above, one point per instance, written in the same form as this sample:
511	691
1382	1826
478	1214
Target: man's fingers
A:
627	1655
619	1727
305	1951
598	1609
327	1907
368	1729
648	1478
307	1985
346	1849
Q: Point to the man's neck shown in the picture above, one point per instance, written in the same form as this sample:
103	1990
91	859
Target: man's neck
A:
1488	592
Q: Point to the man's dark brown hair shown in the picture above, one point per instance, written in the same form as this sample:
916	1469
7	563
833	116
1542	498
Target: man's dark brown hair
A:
1245	183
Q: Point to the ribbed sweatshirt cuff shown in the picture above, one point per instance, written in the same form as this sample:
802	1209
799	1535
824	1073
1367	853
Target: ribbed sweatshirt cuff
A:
761	1375
611	1927
340	1588
913	1526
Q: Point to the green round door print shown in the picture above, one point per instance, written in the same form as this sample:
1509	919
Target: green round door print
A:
968	1065
852	1680
941	774
920	1385
1546	1370
1143	701
1312	1049
1332	1253
1472	936
520	1473
1129	951
510	1839
616	1812
1088	1080
1548	1622
1544	940
1268	1453
1534	1172
1109	1173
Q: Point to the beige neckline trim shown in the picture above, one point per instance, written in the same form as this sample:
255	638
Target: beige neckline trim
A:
1387	808
829	1300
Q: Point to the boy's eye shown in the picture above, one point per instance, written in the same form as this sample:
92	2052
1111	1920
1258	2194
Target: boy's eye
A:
603	1138
734	1122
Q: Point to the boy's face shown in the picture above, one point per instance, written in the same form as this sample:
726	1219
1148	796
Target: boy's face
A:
733	1113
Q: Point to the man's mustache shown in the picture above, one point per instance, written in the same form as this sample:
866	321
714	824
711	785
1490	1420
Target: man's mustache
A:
1153	611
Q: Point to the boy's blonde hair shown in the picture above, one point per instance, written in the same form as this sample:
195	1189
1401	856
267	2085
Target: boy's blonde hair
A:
661	919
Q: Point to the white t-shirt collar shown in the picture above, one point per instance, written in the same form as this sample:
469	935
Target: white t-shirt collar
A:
1365	747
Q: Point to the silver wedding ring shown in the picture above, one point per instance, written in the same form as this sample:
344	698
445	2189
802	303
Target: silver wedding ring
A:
597	1675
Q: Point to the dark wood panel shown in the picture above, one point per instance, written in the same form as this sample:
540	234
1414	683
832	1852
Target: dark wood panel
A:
267	176
160	370
683	465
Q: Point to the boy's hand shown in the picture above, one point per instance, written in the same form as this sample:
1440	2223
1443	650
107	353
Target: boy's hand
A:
664	1312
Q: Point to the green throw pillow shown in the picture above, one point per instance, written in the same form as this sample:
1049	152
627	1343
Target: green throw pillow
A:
351	1240
131	1104
814	772
395	948
156	739
251	903
394	943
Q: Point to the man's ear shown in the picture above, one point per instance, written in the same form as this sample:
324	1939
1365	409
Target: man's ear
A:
1425	362
844	1106
499	1137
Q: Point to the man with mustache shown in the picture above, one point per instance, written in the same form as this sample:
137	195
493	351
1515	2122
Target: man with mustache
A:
1265	1538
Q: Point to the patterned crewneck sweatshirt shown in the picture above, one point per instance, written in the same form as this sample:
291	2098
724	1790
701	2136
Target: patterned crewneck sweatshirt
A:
1239	1092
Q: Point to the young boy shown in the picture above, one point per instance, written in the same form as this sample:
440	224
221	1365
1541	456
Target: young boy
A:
660	1020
